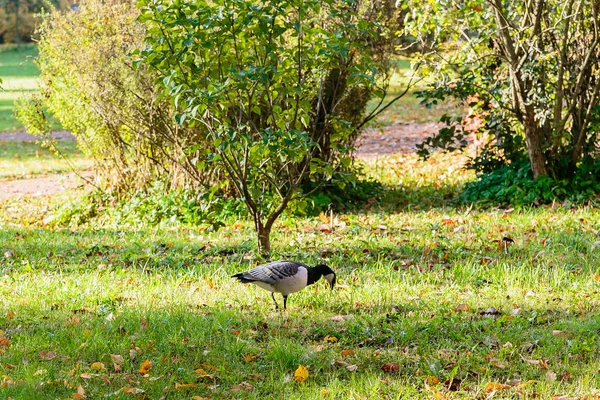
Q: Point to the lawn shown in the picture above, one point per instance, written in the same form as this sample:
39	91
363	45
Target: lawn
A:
20	160
19	75
428	303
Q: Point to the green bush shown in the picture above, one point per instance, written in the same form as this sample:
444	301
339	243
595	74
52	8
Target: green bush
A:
514	184
89	85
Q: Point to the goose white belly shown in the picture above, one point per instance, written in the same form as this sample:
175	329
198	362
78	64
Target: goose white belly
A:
288	284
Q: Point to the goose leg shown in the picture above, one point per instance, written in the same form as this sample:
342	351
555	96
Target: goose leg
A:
284	302
276	305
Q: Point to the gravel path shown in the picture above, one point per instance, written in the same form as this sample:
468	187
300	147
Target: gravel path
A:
399	138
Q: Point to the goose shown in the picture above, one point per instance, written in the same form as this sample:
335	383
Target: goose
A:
286	277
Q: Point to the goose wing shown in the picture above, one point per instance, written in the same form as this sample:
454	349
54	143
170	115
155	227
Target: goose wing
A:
273	272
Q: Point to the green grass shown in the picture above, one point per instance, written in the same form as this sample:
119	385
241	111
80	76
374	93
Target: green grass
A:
20	160
414	287
18	74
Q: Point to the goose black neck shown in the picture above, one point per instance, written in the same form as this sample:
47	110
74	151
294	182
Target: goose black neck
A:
314	274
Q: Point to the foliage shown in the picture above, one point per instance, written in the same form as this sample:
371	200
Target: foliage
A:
514	184
18	18
533	66
279	88
89	85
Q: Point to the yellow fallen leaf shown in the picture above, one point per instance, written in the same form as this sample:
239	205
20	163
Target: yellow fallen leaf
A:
9	315
97	366
85	375
250	357
185	386
301	374
78	396
492	386
40	372
328	338
209	282
145	367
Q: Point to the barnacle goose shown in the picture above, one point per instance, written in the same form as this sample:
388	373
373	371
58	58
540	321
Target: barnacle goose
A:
286	277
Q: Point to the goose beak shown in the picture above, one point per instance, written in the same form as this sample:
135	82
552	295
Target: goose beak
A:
331	279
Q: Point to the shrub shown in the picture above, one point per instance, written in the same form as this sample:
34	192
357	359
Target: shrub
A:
89	85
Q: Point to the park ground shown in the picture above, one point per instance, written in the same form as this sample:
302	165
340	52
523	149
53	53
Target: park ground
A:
431	303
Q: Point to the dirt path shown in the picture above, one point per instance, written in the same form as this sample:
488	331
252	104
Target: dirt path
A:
399	138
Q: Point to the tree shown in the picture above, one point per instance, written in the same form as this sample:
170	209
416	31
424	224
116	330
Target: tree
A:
278	87
534	65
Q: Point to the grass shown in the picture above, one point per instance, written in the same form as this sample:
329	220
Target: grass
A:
83	309
18	74
21	160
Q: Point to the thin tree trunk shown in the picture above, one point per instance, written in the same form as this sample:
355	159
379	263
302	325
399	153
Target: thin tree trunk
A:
264	239
534	136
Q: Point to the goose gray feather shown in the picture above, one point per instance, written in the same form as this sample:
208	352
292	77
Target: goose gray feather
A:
286	277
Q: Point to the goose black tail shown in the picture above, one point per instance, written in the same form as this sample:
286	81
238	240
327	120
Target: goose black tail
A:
242	278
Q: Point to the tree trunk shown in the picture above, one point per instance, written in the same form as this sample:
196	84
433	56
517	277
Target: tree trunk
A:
17	35
534	135
264	239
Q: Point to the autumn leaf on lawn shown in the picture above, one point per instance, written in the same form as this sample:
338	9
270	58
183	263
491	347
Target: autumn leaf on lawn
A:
492	386
4	342
328	338
47	355
145	367
80	395
243	385
301	374
210	283
9	315
117	359
131	390
347	353
179	386
97	366
250	357
390	367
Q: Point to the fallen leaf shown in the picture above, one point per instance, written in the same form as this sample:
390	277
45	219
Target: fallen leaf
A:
210	283
9	315
243	385
235	332
390	367
97	366
453	384
301	374
352	368
347	353
563	334
541	363
85	375
328	338
491	387
4	342
340	318
131	390
145	367
185	386
117	359
461	307
78	396
40	372
47	355
250	357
